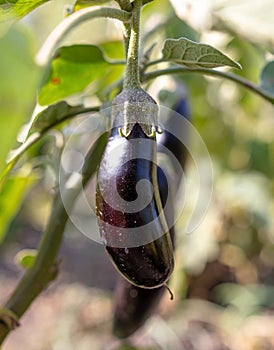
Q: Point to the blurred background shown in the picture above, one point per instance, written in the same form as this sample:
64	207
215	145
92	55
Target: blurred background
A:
223	283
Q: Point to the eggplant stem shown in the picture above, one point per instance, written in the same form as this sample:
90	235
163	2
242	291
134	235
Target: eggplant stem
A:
132	74
170	292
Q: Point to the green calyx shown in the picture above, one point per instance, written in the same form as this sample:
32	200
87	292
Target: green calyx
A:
133	106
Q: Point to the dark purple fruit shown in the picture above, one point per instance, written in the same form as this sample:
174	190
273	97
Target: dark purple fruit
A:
134	305
145	259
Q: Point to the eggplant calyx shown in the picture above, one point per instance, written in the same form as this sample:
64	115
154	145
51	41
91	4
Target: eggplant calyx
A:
126	135
133	106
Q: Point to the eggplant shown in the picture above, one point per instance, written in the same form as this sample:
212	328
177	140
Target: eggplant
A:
134	305
137	241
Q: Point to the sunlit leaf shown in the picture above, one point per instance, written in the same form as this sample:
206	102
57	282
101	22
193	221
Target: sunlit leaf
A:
72	70
53	115
85	3
12	196
113	49
18	9
18	83
49	118
267	78
26	257
195	55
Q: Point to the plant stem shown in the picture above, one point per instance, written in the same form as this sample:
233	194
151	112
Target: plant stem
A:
230	76
59	33
127	31
45	269
153	63
132	76
124	4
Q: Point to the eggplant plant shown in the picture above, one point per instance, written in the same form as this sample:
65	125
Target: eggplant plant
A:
136	227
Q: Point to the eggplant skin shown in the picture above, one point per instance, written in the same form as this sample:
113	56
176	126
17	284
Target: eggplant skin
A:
134	305
144	266
149	265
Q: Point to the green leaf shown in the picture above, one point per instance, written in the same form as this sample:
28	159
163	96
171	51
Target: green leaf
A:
18	84
72	70
267	78
26	257
53	115
12	196
85	3
113	49
17	9
195	55
45	120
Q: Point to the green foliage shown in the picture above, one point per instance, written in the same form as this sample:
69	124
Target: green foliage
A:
12	196
85	3
73	69
195	55
53	115
236	125
113	50
17	8
267	78
18	85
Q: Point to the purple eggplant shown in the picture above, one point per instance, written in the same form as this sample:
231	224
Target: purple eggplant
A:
130	156
134	304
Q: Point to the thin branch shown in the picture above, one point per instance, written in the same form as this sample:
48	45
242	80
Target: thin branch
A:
45	268
125	5
59	33
230	76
